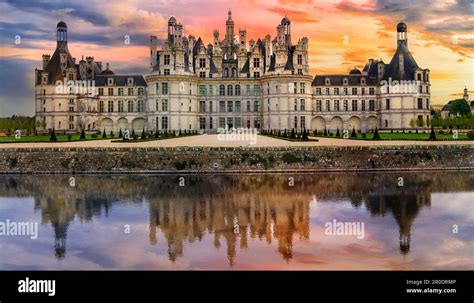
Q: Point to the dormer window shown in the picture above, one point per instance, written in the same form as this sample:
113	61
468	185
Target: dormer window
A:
110	81
362	81
130	81
344	81
327	81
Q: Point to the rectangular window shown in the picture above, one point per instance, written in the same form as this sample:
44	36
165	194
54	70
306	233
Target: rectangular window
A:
164	122
420	103
371	91
363	105
210	106
300	71
164	88
166	60
120	106
387	104
336	91
302	105
256	62
328	91
210	123
221	90
130	91
166	72
363	91
202	63
336	105
257	89
346	105
295	122
111	91
318	91
202	90
120	91
256	74
346	91
202	123
354	90
318	105
354	105
130	106
302	88
202	74
110	108
295	105
248	106
202	106
371	105
237	106
303	122
222	106
256	106
101	91
141	91
157	88
427	103
238	123
164	105
230	106
300	59
328	105
221	122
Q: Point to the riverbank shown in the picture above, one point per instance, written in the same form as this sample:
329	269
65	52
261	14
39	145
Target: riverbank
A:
209	160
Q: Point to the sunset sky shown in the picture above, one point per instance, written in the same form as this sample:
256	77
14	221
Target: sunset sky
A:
440	35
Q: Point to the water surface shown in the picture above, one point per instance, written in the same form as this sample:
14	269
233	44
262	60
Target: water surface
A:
240	222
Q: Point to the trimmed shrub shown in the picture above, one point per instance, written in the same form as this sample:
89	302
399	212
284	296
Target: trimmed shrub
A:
376	134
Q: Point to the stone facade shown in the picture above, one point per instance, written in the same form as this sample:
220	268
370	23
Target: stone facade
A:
231	82
235	160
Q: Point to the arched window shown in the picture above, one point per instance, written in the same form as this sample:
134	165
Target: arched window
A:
237	90
226	73
234	73
221	90
230	90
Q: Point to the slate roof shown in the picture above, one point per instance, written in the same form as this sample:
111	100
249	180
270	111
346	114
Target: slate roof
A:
120	80
338	80
393	69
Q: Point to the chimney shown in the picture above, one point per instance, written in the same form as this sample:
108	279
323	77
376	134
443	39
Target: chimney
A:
46	59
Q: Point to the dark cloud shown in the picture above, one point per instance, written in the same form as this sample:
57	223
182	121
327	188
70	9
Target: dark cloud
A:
69	9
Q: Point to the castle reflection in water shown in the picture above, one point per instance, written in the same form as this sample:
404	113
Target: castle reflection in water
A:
230	208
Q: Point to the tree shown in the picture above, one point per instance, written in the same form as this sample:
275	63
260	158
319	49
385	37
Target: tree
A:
325	132
53	137
305	135
104	135
412	123
460	107
143	136
337	132
120	133
157	133
293	135
376	134
353	134
432	134
83	135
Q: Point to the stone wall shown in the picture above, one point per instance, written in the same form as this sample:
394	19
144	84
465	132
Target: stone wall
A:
234	160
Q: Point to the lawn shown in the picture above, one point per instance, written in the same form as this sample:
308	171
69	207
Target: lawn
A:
45	138
406	136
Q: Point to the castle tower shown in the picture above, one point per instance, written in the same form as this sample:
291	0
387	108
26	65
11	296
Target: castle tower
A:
229	34
466	94
61	34
402	33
